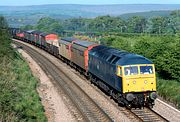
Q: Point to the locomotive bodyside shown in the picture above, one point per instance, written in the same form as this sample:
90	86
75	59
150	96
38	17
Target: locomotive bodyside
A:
109	67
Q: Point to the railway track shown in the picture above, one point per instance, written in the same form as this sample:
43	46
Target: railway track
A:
145	115
148	115
88	109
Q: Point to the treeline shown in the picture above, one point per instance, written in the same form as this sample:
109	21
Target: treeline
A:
135	24
19	100
159	49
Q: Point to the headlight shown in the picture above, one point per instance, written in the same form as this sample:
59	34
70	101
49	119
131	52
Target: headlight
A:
153	95
145	81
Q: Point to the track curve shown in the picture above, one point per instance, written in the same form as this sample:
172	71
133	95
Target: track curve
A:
89	110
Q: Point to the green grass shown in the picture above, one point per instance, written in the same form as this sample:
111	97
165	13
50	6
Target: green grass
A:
19	100
18	95
169	90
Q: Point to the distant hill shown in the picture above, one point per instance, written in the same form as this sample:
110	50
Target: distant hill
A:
146	14
20	15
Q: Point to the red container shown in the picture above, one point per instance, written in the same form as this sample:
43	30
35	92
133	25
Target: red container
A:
48	39
21	35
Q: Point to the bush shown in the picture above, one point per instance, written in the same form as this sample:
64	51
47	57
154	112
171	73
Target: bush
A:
164	52
169	90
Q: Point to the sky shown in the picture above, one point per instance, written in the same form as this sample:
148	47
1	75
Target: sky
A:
40	2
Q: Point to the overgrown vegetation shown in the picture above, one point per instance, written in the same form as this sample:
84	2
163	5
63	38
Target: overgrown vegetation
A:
19	100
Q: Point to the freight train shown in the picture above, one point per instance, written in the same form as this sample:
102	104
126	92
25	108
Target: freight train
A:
128	78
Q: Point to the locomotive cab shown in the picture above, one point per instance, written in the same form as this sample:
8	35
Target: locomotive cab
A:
138	83
138	78
129	78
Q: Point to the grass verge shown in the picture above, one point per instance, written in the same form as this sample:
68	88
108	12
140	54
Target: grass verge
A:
19	100
169	90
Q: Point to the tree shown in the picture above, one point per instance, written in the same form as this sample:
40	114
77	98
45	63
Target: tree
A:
5	41
3	23
137	24
27	27
100	23
158	25
164	52
107	23
175	20
118	25
49	25
122	44
75	24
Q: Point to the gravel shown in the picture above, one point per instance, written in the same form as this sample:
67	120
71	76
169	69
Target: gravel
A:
54	105
167	111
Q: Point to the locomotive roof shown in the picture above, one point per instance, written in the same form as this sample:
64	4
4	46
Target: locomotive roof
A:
69	39
14	28
84	43
45	34
120	57
37	32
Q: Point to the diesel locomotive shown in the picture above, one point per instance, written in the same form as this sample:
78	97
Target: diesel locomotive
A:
128	78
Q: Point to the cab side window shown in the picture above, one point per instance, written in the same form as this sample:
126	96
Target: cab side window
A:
119	71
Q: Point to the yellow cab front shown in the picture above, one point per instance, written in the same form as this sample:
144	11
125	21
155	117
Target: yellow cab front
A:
138	78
